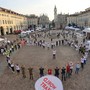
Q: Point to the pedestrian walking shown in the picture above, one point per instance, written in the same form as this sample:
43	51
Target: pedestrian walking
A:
41	71
63	72
57	72
30	72
17	68
23	71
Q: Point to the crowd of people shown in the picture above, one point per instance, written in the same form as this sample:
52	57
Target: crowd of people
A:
63	72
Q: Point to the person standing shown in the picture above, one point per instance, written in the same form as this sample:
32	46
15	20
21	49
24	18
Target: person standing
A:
12	66
48	45
30	72
41	71
62	42
77	67
49	71
9	63
12	48
63	72
84	60
82	63
7	58
51	39
52	45
59	42
67	70
23	71
17	68
71	68
56	43
15	47
54	54
18	45
57	72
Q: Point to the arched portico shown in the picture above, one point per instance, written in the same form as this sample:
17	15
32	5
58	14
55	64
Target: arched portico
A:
1	30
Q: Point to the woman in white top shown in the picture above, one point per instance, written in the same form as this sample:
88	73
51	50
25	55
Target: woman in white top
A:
9	63
82	62
71	67
17	68
12	67
54	54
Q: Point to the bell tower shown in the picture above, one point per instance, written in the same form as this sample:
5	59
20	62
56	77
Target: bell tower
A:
55	13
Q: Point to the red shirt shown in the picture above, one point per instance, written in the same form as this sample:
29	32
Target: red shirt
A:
49	71
68	68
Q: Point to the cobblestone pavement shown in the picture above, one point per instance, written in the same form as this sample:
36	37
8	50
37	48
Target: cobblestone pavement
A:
35	56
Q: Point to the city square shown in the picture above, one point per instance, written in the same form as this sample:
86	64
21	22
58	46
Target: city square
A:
44	45
35	56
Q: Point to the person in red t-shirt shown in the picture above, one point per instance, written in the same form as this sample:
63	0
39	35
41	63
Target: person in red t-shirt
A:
49	71
67	70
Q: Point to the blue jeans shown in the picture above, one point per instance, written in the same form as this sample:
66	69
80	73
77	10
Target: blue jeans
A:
77	70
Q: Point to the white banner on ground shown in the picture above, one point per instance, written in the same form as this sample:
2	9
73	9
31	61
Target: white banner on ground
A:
48	82
1	39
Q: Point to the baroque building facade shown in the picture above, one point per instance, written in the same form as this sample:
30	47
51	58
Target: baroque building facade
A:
60	20
10	21
32	21
81	19
44	21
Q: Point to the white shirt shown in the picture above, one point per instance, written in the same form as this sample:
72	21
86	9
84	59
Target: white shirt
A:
17	67
82	60
54	52
2	50
9	61
77	65
48	45
12	65
71	65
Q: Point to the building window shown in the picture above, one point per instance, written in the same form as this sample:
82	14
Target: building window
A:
8	22
3	21
0	22
12	22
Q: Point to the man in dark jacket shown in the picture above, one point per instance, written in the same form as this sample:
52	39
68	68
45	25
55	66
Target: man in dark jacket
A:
63	72
57	72
41	71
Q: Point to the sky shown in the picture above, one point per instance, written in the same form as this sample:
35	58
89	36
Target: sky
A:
39	7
